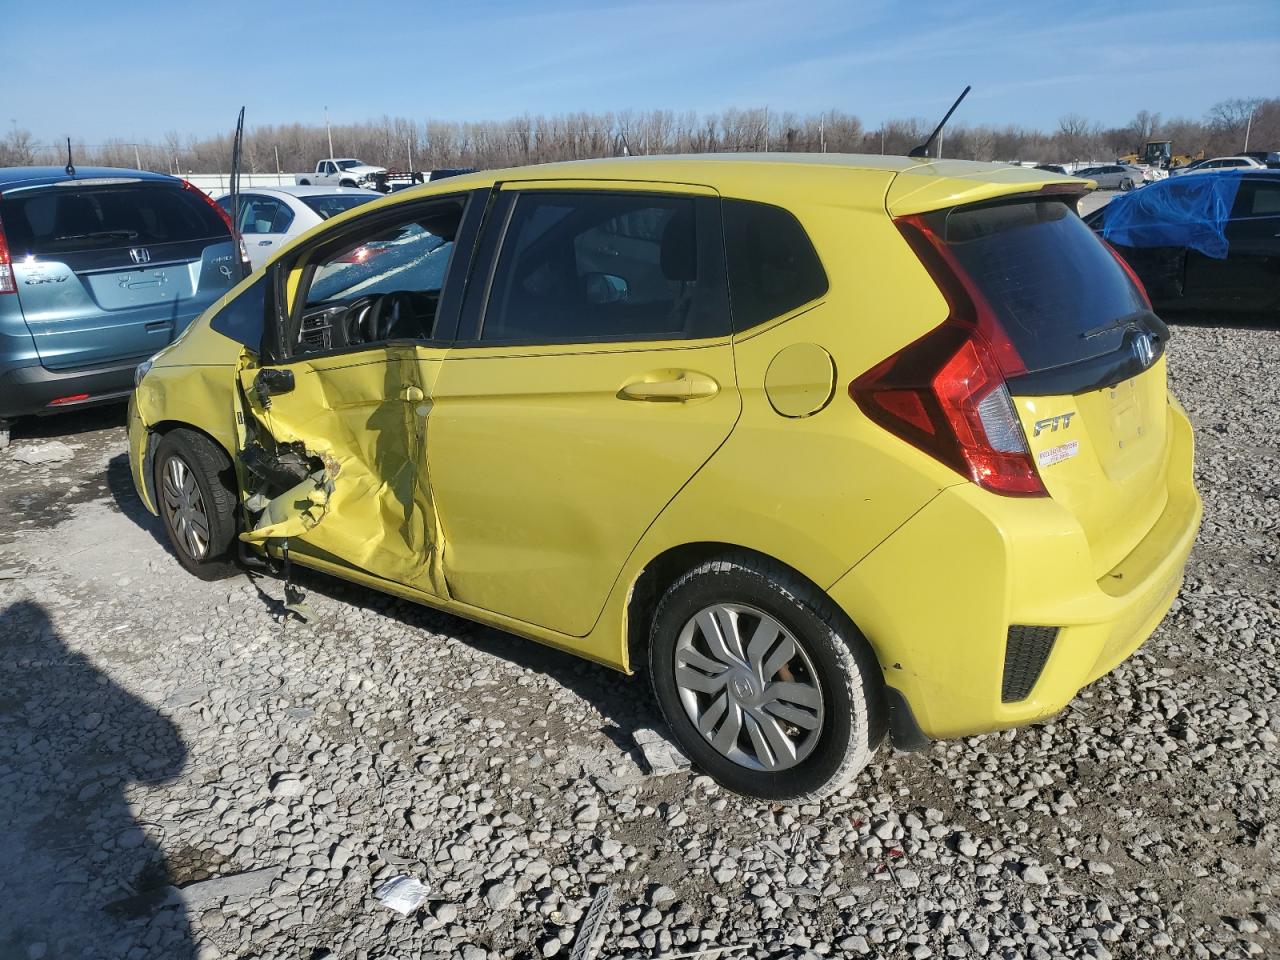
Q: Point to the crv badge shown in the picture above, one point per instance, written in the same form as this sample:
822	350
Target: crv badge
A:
1062	420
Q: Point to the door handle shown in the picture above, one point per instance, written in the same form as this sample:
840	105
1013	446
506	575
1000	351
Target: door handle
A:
412	394
686	385
264	243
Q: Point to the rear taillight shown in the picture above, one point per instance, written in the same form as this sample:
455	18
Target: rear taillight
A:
7	282
945	393
226	218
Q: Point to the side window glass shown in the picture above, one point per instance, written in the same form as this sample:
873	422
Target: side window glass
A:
773	268
256	214
1256	199
382	284
242	320
579	267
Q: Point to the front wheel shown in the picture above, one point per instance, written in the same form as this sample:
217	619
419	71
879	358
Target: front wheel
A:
766	685
195	493
1126	185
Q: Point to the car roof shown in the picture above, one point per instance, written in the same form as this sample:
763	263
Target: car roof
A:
311	191
918	184
12	178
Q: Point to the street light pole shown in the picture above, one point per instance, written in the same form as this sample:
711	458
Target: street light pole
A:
328	132
1248	128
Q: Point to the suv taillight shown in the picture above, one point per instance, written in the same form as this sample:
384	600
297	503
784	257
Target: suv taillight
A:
945	393
8	283
226	218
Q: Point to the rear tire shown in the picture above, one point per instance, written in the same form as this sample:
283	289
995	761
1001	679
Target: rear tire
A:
195	488
304	183
791	707
1126	186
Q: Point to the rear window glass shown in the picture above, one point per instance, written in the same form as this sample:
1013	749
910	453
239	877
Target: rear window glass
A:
64	219
328	207
773	267
1053	285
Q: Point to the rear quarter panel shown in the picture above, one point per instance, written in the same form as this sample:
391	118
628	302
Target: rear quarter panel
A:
817	492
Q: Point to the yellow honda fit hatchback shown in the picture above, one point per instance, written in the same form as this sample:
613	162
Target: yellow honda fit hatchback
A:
833	447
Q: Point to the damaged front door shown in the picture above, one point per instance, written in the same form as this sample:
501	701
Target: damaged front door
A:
331	459
332	452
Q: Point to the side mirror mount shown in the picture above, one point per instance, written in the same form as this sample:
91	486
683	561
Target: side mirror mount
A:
270	382
603	288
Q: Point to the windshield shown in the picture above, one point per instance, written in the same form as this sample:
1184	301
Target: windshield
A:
64	219
412	258
331	206
348	164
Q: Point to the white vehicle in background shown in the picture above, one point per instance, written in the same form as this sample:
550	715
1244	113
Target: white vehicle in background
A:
272	216
1113	176
341	172
1220	163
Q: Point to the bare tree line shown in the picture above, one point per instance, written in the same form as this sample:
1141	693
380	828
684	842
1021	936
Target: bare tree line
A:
398	143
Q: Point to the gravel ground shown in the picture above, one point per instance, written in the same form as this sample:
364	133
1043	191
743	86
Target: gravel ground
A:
157	731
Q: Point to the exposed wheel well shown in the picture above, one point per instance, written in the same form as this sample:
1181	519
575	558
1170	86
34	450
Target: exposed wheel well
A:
158	430
664	569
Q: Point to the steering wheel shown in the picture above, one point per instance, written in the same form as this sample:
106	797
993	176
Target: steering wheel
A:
355	325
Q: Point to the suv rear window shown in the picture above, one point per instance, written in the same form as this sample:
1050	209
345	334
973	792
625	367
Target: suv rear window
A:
1055	288
65	219
773	267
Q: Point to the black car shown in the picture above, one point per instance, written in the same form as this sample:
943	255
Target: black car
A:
1188	258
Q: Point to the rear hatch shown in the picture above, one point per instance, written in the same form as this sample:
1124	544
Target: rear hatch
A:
1092	394
1047	377
113	269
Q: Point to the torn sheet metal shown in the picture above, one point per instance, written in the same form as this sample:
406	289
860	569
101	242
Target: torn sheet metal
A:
361	420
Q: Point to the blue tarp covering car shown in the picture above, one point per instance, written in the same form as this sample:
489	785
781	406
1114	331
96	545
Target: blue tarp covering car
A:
1190	211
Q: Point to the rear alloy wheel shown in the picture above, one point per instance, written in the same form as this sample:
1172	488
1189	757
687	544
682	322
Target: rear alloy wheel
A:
766	685
195	494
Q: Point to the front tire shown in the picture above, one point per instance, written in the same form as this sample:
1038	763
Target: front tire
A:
1126	186
765	683
196	496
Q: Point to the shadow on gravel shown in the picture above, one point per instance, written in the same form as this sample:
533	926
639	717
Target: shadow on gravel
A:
120	483
79	877
65	425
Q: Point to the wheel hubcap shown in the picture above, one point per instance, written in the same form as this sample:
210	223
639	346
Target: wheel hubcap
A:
184	506
749	687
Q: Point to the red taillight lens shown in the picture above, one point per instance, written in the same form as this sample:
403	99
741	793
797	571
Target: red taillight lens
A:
945	393
226	217
8	284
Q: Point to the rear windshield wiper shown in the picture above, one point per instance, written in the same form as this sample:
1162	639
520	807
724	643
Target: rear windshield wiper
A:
1120	323
99	235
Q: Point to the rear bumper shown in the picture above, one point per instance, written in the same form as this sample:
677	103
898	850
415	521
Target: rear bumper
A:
938	598
32	389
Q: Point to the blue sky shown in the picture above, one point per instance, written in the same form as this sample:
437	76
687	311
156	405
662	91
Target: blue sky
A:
94	70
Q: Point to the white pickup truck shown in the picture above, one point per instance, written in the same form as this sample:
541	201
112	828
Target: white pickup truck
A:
341	172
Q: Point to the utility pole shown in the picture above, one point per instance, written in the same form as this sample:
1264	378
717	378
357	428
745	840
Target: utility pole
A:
766	129
822	131
1248	128
408	142
328	132
137	160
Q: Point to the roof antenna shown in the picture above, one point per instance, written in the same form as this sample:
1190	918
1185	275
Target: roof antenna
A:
237	145
923	149
71	167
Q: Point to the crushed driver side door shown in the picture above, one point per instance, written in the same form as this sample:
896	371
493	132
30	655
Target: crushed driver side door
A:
332	445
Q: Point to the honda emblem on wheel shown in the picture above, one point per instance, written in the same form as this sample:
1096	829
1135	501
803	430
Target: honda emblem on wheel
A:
140	255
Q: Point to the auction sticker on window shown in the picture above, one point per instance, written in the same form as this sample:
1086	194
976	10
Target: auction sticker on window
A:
1063	451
